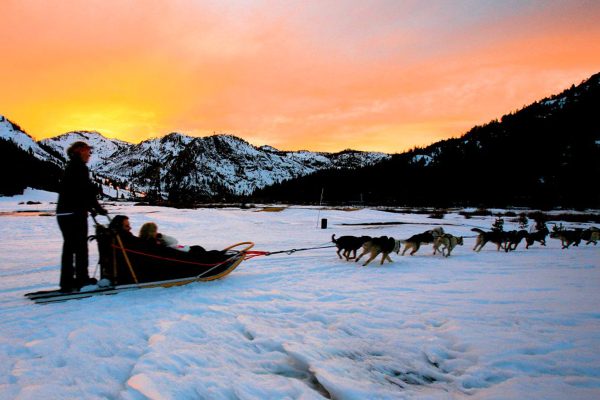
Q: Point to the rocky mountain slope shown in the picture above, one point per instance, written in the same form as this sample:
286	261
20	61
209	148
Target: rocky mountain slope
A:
181	167
9	131
103	147
24	163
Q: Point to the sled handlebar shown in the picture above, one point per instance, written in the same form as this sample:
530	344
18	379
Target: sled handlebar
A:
96	221
247	246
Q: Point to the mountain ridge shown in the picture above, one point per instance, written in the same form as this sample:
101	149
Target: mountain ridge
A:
540	154
180	166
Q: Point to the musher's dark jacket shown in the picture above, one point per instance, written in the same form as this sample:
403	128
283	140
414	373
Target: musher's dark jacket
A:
77	193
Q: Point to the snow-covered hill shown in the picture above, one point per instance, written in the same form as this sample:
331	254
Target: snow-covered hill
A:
209	166
573	110
12	132
103	147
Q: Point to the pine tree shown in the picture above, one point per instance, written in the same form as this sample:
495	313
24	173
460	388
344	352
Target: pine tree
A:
498	225
523	221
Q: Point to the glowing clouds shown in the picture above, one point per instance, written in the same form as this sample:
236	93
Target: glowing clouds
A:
383	75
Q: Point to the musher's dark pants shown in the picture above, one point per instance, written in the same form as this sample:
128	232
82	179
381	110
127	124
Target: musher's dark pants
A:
74	229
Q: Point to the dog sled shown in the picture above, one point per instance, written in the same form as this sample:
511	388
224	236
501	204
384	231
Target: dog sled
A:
130	265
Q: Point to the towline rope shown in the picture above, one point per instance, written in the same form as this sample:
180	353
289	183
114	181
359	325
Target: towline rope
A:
257	253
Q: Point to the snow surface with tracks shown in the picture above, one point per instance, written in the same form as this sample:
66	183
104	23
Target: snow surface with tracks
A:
488	325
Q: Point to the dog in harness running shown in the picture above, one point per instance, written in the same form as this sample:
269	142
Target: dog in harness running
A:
349	244
382	245
414	242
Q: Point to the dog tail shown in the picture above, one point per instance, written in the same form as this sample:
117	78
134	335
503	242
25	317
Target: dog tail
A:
333	238
477	230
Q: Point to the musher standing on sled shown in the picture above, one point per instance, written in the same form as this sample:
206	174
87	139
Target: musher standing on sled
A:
77	196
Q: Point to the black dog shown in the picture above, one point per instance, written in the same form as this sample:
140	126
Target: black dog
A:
499	238
514	238
349	244
539	236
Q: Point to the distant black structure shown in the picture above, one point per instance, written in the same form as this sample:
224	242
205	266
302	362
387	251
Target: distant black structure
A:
544	155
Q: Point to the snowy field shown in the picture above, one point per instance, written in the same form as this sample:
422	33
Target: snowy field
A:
488	325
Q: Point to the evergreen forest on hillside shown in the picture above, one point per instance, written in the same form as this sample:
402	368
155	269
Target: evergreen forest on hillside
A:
544	155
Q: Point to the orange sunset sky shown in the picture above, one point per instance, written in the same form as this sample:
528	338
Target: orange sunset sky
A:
316	75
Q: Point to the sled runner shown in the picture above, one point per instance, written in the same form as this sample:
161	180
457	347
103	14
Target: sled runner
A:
132	264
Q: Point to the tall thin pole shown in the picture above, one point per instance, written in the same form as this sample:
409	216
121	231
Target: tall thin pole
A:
320	202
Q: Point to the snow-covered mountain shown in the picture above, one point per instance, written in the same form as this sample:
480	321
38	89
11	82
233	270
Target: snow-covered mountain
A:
216	165
208	166
545	152
24	163
12	132
103	147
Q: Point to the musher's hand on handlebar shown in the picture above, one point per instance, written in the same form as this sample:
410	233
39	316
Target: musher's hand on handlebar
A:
98	211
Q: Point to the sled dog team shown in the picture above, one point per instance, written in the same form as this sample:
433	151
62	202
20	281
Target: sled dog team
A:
384	245
510	240
444	243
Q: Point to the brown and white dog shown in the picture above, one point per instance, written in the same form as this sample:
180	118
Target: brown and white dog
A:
381	245
448	242
348	244
414	242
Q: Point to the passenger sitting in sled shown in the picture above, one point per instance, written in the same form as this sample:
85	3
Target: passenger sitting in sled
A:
149	237
121	226
149	233
149	240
